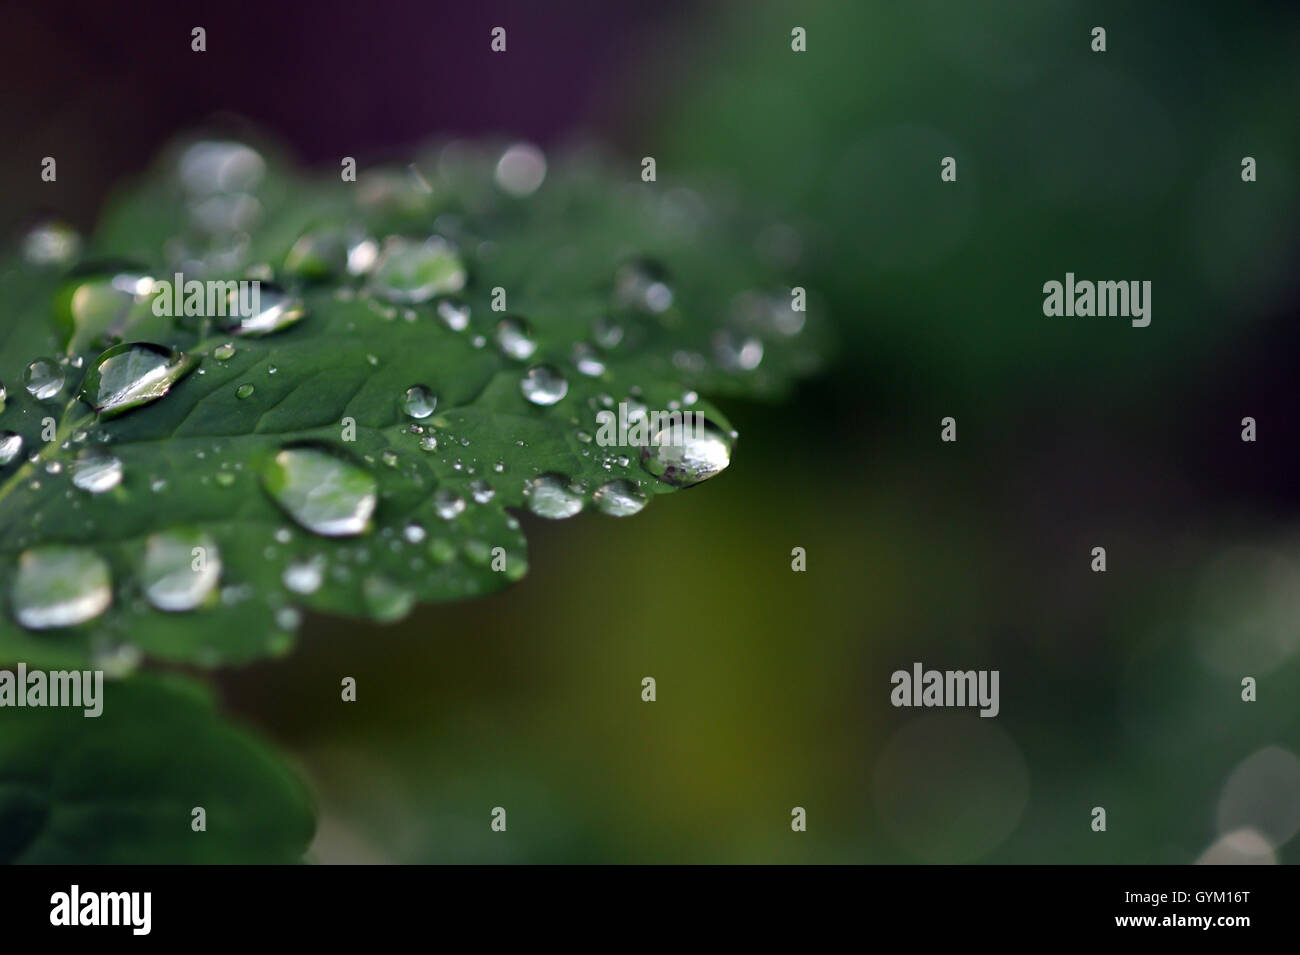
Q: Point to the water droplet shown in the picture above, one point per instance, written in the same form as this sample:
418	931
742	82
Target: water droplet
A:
514	338
586	361
181	569
683	454
643	285
389	458
11	445
441	550
428	443
411	272
618	498
53	467
60	586
51	243
543	385
288	618
413	532
321	491
481	491
244	391
43	379
454	314
3	395
273	310
418	401
96	472
213	166
606	333
318	255
448	504
132	374
737	352
521	170
225	478
363	252
304	576
549	496
386	600
224	352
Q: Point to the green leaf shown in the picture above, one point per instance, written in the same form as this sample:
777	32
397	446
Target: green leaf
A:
351	441
121	787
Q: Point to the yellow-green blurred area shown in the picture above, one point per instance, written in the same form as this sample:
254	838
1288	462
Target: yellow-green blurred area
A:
1119	690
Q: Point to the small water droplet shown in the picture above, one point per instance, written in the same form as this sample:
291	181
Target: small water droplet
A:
448	504
514	338
132	374
96	472
274	310
618	498
683	454
413	532
428	443
586	361
606	333
521	170
543	385
288	618
60	586
644	285
51	243
224	352
43	378
418	401
11	445
408	272
454	314
549	496
481	491
304	576
318	255
321	491
225	478
737	352
181	569
243	391
389	458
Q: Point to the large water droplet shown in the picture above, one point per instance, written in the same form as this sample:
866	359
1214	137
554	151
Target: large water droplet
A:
321	491
543	385
275	311
687	452
43	378
181	568
132	374
11	445
515	339
549	496
418	401
96	472
620	498
411	272
60	586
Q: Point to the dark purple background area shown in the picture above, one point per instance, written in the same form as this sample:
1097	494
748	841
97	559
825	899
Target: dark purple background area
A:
102	86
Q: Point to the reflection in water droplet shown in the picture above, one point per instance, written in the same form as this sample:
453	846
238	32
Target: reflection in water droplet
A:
514	338
132	374
304	576
411	272
448	504
481	491
418	401
549	496
428	443
60	586
244	391
96	472
274	311
43	379
181	568
543	385
454	314
618	498
687	453
11	445
521	170
321	491
386	600
586	361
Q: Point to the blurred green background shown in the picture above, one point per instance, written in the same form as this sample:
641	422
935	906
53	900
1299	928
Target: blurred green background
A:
1119	690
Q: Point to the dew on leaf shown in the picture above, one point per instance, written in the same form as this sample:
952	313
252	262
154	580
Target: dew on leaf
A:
180	570
96	472
318	255
132	374
418	401
11	445
43	378
619	498
543	385
448	504
454	314
643	285
271	310
686	453
304	576
549	496
514	338
737	352
428	443
481	491
409	272
224	352
321	491
244	391
60	586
